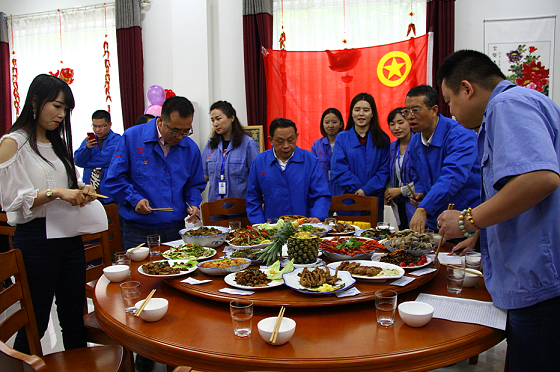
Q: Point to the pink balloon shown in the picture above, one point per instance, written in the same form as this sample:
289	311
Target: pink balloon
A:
156	95
154	110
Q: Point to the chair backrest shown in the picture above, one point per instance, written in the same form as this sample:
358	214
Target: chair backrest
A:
12	264
6	229
355	203
221	212
97	248
115	238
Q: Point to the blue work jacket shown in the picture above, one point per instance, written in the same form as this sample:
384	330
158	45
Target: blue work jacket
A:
355	167
322	150
301	189
90	159
448	170
139	170
236	165
406	174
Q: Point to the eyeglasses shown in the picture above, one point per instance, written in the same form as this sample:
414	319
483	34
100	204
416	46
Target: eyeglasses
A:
103	126
414	111
175	133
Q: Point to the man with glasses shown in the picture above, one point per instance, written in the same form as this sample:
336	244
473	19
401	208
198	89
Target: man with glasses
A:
96	152
444	160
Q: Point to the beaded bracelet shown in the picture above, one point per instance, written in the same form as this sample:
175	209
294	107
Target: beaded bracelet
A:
471	218
462	225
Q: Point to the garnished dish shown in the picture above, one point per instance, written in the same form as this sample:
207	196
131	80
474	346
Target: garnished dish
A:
189	252
252	279
224	262
410	241
318	280
378	272
224	266
315	228
203	231
250	237
377	234
343	229
250	253
344	248
293	217
405	260
167	268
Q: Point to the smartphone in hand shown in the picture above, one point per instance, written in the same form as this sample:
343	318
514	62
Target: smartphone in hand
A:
91	137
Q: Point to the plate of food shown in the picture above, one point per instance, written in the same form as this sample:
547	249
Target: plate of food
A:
223	266
250	253
189	252
378	272
318	229
318	280
403	259
378	234
167	268
415	243
343	229
250	238
344	248
251	279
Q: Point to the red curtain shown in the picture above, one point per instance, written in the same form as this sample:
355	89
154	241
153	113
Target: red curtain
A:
257	34
131	60
5	80
301	85
440	19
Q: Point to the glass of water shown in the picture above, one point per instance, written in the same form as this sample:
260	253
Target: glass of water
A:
385	305
153	244
130	293
241	315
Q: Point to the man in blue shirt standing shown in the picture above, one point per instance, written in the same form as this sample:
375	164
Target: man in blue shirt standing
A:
519	151
156	165
443	159
95	154
287	179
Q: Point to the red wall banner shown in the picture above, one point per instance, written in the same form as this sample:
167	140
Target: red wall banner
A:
300	86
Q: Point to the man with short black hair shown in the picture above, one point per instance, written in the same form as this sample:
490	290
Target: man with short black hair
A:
95	154
287	179
519	152
443	159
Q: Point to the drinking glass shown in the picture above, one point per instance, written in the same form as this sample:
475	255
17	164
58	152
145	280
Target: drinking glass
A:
234	225
130	293
153	244
383	225
385	305
455	276
241	315
121	258
473	260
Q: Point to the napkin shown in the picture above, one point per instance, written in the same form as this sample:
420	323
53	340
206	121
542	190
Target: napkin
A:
423	271
348	293
403	281
236	291
194	281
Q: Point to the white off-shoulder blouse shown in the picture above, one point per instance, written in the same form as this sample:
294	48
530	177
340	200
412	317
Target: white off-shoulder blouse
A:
24	175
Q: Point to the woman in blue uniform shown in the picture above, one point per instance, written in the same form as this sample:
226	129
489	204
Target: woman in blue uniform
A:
400	172
360	159
228	155
331	124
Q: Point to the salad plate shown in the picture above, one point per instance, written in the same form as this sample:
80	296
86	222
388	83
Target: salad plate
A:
189	252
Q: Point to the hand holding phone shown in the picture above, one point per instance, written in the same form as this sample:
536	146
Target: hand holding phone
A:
91	137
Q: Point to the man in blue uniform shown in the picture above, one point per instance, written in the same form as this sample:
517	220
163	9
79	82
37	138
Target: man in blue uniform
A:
519	151
95	154
443	159
287	179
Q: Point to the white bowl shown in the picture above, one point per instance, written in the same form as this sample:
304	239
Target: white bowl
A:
415	313
116	273
140	254
154	310
470	279
285	333
211	241
223	270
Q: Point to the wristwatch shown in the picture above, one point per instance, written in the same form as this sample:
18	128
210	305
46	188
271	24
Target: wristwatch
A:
49	193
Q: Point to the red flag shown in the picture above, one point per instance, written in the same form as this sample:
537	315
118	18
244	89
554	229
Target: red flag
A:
301	85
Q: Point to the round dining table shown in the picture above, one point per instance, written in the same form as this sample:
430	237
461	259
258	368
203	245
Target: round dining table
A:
197	330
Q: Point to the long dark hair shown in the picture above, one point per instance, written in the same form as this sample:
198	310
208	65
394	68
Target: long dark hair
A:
336	113
43	89
379	137
236	129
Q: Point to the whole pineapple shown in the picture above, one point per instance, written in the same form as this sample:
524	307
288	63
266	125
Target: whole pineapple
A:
303	248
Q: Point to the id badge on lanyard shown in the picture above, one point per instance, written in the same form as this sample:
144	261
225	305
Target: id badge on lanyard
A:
222	182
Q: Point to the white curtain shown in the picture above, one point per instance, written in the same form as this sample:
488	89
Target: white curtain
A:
314	25
37	44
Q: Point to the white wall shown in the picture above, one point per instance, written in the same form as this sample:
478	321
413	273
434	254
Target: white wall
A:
470	16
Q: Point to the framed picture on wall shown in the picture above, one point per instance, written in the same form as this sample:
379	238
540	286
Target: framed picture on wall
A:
256	132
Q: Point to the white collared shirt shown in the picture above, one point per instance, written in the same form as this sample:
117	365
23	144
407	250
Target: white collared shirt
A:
282	164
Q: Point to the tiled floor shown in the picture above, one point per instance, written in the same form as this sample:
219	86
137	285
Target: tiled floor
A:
490	361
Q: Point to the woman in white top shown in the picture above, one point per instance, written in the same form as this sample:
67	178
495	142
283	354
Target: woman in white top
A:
37	167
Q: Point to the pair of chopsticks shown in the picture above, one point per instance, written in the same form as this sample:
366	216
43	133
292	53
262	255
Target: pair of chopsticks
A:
139	311
274	334
449	207
191	208
411	191
98	195
465	270
135	248
162	209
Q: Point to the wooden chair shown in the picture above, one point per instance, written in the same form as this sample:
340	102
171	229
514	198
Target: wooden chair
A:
221	212
115	238
99	358
355	203
98	248
6	229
